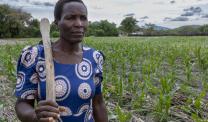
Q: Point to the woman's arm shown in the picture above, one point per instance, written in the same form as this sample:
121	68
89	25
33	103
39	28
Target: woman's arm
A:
99	109
46	111
25	110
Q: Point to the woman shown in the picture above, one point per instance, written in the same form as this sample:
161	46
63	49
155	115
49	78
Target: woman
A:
78	74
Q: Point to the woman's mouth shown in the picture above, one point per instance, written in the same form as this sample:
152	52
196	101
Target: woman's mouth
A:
77	33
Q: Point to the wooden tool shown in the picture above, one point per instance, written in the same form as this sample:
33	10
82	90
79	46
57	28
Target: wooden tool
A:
50	80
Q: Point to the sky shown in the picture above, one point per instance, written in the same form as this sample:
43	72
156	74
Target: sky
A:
167	13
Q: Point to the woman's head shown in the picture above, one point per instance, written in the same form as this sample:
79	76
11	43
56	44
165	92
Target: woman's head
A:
71	19
59	8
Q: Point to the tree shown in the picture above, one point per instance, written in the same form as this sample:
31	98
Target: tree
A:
12	21
128	25
4	25
109	29
54	30
91	28
32	29
102	28
149	29
204	29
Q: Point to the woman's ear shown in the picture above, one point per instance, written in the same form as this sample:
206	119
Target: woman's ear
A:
56	22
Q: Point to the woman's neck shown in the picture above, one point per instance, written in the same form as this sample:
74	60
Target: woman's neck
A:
64	46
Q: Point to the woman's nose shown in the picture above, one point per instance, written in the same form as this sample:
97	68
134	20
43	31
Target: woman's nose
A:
78	22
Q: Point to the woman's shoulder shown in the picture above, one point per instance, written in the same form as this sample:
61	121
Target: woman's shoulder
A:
96	55
32	49
92	50
30	54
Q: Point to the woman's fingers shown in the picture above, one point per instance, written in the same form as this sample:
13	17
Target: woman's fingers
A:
49	119
47	108
62	109
47	111
48	102
45	114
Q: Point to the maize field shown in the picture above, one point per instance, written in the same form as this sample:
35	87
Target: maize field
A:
146	79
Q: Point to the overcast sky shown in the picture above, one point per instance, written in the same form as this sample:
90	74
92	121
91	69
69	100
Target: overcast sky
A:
167	13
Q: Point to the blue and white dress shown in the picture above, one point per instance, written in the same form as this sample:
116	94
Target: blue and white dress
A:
76	84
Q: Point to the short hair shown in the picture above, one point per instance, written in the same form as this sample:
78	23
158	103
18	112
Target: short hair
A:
59	8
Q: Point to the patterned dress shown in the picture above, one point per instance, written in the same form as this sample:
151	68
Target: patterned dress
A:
76	84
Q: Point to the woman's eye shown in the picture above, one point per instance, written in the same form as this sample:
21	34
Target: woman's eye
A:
69	17
83	18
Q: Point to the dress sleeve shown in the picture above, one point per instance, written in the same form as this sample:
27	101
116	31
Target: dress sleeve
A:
98	77
27	77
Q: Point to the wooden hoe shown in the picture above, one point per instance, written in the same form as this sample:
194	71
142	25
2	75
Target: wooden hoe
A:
50	80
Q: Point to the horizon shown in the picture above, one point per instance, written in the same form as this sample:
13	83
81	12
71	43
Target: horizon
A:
165	13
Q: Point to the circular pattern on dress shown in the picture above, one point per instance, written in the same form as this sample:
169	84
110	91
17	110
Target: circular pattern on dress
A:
88	115
86	48
84	91
96	56
29	94
98	59
62	87
97	71
34	78
83	108
26	47
100	63
20	80
40	68
84	69
29	56
96	80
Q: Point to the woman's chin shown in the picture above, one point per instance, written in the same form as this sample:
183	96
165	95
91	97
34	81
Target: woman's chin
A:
76	40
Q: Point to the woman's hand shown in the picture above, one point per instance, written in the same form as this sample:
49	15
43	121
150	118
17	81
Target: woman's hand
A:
99	109
47	111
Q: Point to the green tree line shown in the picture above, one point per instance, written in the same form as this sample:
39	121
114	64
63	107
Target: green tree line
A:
15	23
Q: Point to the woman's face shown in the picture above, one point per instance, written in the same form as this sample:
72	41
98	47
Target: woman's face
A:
73	22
